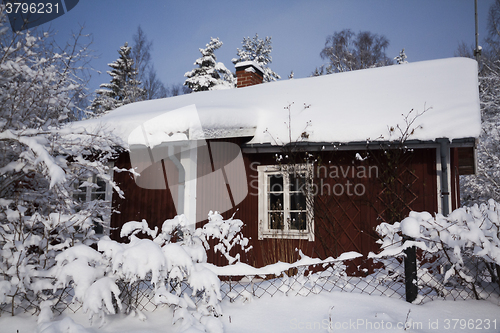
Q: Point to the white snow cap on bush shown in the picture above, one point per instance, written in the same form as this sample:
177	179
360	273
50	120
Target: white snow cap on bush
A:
410	227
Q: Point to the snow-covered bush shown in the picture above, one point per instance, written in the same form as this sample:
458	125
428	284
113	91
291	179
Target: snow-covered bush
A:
465	245
172	260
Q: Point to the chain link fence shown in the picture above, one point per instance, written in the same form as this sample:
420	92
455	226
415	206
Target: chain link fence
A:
388	280
306	280
478	280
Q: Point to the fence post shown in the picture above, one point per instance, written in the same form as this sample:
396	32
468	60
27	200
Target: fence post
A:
410	261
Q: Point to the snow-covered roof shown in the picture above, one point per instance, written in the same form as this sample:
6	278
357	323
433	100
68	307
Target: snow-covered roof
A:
346	107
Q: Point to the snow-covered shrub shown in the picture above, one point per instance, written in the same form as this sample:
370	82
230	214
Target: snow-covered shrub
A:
226	232
464	245
184	252
172	261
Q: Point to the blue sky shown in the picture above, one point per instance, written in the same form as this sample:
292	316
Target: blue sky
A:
427	29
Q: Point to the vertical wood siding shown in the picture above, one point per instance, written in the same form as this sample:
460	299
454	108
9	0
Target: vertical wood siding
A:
342	222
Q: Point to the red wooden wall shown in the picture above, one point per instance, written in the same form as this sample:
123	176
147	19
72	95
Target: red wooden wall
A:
342	222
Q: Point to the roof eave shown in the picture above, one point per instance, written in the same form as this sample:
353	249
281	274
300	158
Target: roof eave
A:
359	145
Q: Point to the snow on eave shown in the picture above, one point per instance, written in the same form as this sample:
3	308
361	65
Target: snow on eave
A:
220	133
360	145
346	107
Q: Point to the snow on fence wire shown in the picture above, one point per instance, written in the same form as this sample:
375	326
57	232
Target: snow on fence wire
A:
388	280
305	279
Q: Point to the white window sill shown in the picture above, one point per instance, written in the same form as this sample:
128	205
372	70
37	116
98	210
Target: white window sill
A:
289	234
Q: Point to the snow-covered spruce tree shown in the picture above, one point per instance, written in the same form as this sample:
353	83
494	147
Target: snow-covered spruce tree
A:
258	50
210	74
124	88
401	58
41	161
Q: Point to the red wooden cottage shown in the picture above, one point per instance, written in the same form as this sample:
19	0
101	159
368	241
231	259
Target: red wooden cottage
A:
314	163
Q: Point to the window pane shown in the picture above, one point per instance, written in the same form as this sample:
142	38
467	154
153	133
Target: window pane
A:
275	183
275	201
276	220
98	228
298	221
80	197
98	196
76	185
297	201
297	182
101	185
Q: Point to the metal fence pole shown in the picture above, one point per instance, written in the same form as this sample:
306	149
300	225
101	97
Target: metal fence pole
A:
410	271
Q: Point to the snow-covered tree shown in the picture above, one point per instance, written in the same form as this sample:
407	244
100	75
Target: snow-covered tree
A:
401	58
42	160
124	87
258	50
210	74
347	51
486	183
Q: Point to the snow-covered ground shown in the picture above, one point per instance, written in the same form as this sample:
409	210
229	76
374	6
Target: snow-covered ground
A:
343	312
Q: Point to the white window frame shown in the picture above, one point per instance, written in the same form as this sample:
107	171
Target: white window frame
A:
108	197
264	230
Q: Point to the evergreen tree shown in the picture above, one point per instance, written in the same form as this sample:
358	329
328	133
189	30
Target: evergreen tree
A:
401	58
209	74
258	50
123	88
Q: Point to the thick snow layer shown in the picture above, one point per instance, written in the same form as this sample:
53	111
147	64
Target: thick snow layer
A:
346	107
345	312
240	268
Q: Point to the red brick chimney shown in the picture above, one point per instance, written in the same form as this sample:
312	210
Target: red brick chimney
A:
248	73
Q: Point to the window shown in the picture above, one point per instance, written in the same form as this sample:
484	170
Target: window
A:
95	188
285	202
